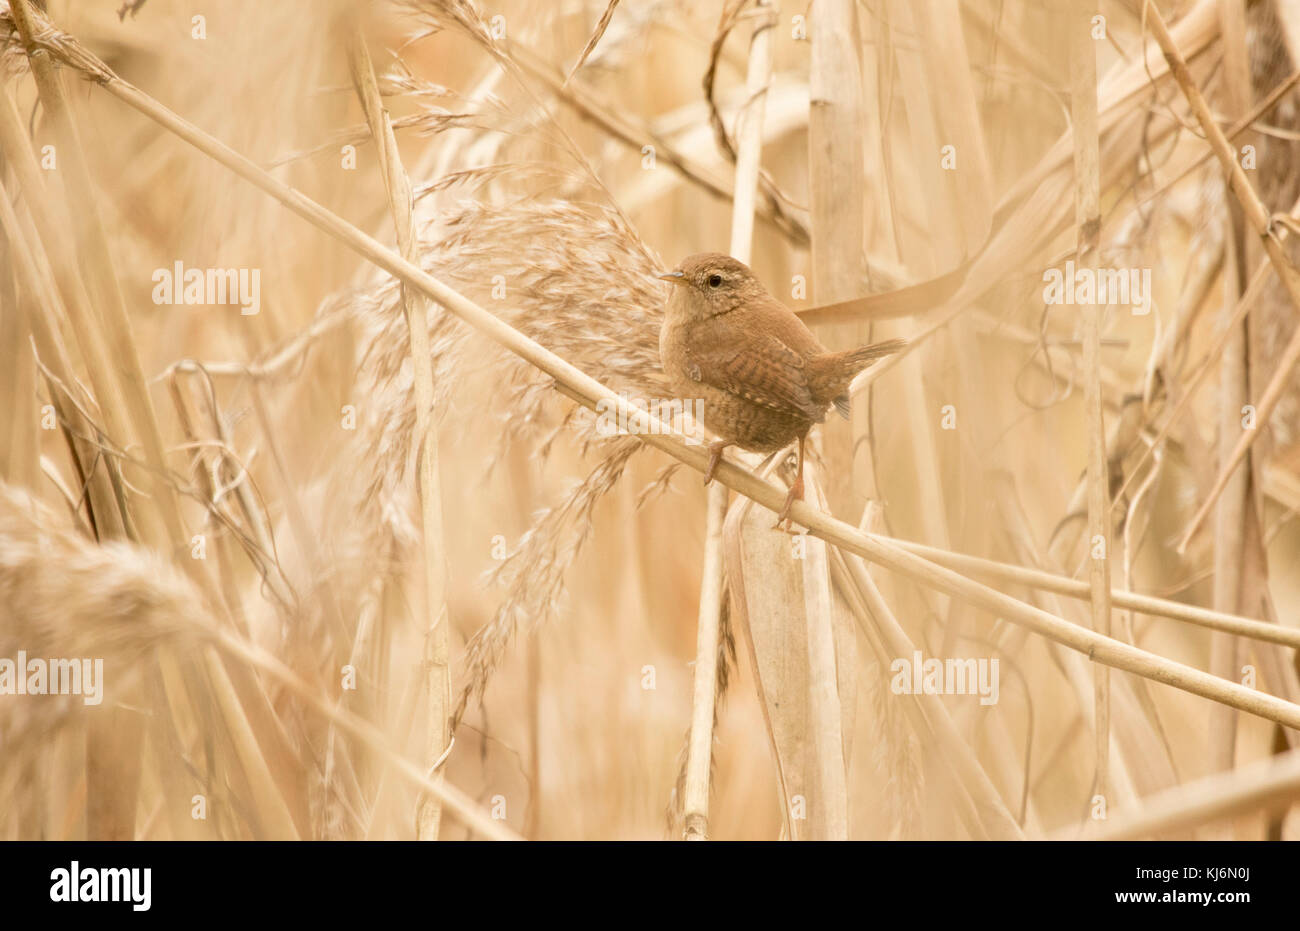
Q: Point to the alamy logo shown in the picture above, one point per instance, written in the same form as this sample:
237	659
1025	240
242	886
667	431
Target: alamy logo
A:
946	677
1122	286
103	885
38	676
198	286
682	416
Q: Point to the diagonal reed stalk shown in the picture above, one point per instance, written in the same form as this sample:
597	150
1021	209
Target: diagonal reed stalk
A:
1075	588
1264	785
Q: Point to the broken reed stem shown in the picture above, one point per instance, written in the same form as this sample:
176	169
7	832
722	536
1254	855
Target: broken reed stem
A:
695	803
437	642
1257	216
584	389
1083	112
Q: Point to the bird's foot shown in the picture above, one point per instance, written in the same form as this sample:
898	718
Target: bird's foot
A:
715	456
796	494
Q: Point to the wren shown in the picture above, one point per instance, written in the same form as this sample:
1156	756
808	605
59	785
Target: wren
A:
765	380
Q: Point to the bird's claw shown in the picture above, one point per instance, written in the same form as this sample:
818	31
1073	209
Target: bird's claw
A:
715	456
796	494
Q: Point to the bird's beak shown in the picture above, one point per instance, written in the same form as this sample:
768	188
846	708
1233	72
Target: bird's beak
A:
674	277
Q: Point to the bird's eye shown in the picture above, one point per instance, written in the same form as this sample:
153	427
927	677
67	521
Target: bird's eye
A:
715	281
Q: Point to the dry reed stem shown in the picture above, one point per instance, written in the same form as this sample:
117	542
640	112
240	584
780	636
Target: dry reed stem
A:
1244	123
695	801
967	193
824	699
1234	393
437	633
699	755
1083	112
837	124
897	753
948	73
758	602
19	439
1075	588
837	182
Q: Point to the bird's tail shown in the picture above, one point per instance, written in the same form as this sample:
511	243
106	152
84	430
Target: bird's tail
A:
841	367
862	357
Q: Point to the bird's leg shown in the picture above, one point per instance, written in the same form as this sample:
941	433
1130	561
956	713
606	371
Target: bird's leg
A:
796	493
715	456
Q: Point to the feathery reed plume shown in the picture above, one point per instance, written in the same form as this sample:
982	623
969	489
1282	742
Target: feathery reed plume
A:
65	596
65	593
555	260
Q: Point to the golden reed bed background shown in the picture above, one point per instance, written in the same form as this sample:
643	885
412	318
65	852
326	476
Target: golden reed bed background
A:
234	524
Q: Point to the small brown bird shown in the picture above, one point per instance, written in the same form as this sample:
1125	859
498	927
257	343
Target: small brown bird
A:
764	378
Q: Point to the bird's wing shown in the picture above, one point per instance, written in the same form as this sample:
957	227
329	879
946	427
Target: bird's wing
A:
764	372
